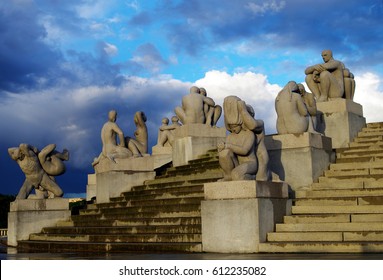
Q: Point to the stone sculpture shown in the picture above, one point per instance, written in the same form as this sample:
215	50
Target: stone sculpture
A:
109	133
193	106
292	114
139	145
39	169
349	84
238	154
326	80
309	100
212	113
166	132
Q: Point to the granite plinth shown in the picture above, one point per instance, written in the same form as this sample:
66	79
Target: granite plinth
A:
237	215
299	159
91	187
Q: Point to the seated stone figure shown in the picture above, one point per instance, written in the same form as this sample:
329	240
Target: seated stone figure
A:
166	132
139	145
309	100
238	154
349	84
110	148
212	113
193	104
326	80
292	114
33	165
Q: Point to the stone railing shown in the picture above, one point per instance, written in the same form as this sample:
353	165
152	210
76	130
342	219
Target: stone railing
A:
3	231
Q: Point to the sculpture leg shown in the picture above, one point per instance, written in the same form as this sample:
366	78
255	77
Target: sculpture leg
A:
245	171
263	173
180	113
133	147
313	86
228	162
209	115
329	86
216	115
25	190
45	152
50	185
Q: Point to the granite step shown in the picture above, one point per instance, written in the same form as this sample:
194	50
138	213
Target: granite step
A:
327	227
304	236
361	209
326	201
368	192
312	219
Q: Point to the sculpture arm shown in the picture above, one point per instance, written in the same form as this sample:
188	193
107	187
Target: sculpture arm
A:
246	146
302	109
249	121
209	101
27	150
120	134
330	65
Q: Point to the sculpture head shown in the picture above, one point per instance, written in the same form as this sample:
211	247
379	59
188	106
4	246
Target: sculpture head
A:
14	153
175	119
301	89
293	87
112	116
326	55
250	109
235	128
194	89
139	116
203	91
165	121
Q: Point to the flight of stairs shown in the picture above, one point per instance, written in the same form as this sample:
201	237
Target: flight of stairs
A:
343	212
162	215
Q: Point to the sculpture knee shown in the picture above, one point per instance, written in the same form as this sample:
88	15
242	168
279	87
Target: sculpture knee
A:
325	75
225	153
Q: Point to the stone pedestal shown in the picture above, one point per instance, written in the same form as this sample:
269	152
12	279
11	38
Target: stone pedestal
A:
91	187
299	159
158	150
341	120
115	178
28	216
194	140
237	215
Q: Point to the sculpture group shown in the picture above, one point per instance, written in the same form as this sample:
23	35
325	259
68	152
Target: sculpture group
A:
242	156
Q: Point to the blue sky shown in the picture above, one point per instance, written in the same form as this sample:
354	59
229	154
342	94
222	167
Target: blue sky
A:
65	64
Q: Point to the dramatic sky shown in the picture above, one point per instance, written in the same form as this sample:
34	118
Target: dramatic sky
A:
65	63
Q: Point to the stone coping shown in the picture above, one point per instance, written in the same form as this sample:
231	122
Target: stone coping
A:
296	141
140	164
245	189
199	130
39	204
340	105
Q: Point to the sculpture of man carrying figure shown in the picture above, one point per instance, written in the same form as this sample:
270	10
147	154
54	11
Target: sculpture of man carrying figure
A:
326	80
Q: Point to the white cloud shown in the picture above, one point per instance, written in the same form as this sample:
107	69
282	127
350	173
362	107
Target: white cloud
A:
369	93
261	9
251	87
110	49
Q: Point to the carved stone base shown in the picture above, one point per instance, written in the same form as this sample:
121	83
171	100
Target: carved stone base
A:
341	120
194	140
28	216
237	215
158	150
91	187
299	159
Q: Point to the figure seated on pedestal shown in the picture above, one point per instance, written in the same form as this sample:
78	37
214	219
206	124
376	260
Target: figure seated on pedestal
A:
39	169
349	84
212	113
139	145
166	132
110	148
326	80
193	105
292	114
243	155
309	100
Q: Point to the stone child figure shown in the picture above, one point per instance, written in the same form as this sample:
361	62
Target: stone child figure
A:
109	133
193	105
39	168
326	80
237	155
139	145
309	100
212	113
166	132
292	114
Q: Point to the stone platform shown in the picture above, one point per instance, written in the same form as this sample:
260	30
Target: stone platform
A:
237	215
29	216
299	159
341	120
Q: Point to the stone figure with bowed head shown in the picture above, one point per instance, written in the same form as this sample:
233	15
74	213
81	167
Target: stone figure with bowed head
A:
237	155
109	133
292	114
326	80
166	132
309	100
192	110
39	168
139	145
212	113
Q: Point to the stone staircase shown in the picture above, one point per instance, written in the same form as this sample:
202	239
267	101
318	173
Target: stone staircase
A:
343	212
162	215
